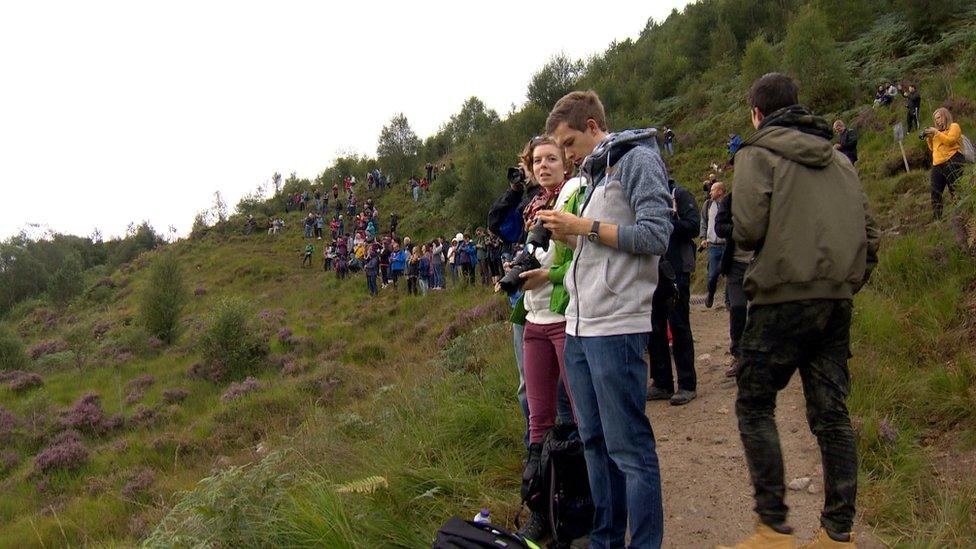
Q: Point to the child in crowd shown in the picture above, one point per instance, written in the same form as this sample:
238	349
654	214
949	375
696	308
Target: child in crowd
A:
307	258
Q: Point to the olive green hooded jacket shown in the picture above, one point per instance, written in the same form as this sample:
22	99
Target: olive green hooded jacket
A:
798	203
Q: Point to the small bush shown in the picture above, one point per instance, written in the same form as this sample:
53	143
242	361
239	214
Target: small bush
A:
139	484
230	341
47	347
163	299
175	395
25	381
12	355
85	414
8	422
64	452
237	390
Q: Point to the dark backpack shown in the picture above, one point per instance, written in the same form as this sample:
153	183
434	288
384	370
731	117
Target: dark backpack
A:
465	534
557	486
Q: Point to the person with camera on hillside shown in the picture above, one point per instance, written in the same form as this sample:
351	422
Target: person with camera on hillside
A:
619	230
539	271
681	256
798	204
846	140
913	104
945	141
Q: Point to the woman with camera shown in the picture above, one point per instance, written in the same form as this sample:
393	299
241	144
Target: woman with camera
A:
544	302
945	142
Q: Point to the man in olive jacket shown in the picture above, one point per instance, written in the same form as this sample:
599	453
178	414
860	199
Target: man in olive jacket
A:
798	203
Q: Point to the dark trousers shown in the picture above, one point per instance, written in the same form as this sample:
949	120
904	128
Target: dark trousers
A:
412	284
371	283
945	176
385	274
395	276
811	336
911	120
468	270
737	303
683	344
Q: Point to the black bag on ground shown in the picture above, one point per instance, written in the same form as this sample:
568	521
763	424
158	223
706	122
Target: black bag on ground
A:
465	534
561	490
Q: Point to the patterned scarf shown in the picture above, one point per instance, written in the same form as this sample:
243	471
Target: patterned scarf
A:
543	201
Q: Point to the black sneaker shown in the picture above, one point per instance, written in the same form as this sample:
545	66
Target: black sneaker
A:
657	393
683	396
709	301
536	529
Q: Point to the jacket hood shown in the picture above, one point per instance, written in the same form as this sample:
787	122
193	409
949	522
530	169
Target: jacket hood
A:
613	148
797	135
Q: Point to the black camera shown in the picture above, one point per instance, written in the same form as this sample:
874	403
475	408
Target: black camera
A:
539	236
516	175
512	280
922	135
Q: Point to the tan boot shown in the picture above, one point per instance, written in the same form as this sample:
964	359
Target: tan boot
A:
765	538
823	541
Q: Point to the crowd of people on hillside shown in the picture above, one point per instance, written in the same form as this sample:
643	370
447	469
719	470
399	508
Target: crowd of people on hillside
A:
595	245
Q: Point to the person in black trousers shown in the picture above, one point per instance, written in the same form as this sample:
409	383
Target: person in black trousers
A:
681	256
733	266
913	104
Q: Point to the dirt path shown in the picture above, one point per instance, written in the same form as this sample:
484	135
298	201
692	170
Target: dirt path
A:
707	494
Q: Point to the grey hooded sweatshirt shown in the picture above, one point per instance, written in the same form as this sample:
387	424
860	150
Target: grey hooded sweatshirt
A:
610	289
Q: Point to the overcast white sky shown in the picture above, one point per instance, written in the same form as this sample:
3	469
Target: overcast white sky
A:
112	112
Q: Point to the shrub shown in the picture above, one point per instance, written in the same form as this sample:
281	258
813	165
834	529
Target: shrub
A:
139	484
177	394
64	452
86	414
231	341
8	422
12	355
47	347
237	390
25	381
163	299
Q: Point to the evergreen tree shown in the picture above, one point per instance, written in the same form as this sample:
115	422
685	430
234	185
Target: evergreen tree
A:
163	298
758	60
397	147
811	55
67	281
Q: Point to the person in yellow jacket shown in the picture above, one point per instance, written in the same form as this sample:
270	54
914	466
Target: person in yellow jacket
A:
945	142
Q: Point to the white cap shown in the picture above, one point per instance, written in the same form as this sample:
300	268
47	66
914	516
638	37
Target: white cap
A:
459	237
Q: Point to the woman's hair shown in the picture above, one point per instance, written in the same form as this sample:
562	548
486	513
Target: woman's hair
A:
946	117
529	150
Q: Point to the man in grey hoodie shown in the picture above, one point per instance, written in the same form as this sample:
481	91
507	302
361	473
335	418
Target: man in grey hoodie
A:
620	230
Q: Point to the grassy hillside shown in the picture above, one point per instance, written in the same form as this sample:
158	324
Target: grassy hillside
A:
378	418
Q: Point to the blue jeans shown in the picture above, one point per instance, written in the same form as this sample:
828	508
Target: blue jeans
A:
714	266
517	331
607	376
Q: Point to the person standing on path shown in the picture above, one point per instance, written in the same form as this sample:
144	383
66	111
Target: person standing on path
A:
620	229
710	240
735	261
669	140
798	203
681	256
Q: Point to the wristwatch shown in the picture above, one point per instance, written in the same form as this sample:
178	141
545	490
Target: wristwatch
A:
594	234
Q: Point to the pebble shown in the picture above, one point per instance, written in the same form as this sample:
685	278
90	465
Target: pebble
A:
800	483
719	440
663	438
723	410
704	358
812	489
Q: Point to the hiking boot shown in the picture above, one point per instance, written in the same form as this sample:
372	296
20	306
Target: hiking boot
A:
765	538
709	301
733	369
657	393
536	529
683	396
823	540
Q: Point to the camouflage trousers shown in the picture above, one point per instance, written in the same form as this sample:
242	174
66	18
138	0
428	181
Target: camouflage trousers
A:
813	337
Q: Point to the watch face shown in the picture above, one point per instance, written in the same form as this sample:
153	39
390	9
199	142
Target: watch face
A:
592	237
